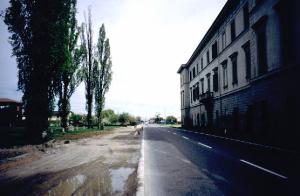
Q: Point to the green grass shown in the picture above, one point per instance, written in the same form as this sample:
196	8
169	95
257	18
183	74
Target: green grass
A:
77	133
173	125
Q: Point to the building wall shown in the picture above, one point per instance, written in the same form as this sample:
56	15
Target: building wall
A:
260	107
184	96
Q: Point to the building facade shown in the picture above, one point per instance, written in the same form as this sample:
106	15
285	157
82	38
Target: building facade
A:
10	112
242	79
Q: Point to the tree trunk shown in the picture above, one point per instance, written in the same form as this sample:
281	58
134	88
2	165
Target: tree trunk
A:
100	125
36	117
64	107
64	115
89	115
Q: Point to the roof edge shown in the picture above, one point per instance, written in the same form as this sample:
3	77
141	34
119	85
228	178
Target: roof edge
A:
229	5
182	66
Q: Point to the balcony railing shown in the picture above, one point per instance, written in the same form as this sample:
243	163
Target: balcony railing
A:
206	97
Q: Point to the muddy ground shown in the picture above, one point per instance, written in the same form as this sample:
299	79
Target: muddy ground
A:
100	165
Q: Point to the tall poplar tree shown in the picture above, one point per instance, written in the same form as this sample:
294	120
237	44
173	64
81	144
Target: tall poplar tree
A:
70	75
103	74
89	66
39	32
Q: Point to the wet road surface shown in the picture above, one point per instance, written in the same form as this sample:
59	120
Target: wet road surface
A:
180	162
104	165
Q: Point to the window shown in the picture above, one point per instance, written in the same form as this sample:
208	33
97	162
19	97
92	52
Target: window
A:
261	43
202	85
246	48
197	68
182	98
191	93
215	80
233	58
194	72
288	50
180	79
208	82
232	30
202	63
223	40
246	16
203	120
214	50
225	76
196	92
207	57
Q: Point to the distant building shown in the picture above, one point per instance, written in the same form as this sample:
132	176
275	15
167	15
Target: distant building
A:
242	81
10	112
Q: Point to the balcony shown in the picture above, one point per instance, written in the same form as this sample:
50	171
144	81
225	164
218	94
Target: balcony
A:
206	97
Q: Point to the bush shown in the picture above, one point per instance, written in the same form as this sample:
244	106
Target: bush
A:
109	117
171	120
76	119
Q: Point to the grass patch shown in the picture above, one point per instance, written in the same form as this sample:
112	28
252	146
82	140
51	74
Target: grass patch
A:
173	125
77	133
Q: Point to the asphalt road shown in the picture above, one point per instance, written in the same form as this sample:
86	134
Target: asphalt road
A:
180	162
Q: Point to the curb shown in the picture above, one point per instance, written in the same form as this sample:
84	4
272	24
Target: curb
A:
140	172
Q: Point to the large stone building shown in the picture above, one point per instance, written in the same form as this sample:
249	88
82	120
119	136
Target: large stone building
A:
243	79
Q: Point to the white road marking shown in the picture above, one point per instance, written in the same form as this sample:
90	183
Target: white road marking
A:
204	145
186	161
186	138
264	169
174	133
241	141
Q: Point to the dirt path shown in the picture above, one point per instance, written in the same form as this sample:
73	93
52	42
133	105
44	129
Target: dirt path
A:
104	165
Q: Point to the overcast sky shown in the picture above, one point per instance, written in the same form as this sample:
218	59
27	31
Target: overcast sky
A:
149	39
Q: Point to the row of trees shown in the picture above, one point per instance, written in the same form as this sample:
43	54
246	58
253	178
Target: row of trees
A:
52	62
169	119
109	117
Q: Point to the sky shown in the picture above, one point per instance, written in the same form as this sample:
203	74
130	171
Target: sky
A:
149	40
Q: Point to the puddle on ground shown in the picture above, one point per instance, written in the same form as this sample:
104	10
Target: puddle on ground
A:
119	177
68	186
102	182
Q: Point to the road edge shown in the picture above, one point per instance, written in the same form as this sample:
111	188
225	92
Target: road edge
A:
140	172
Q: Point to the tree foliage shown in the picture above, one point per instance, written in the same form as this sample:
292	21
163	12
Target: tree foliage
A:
39	32
171	120
89	65
158	118
103	73
109	116
127	119
70	77
76	119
